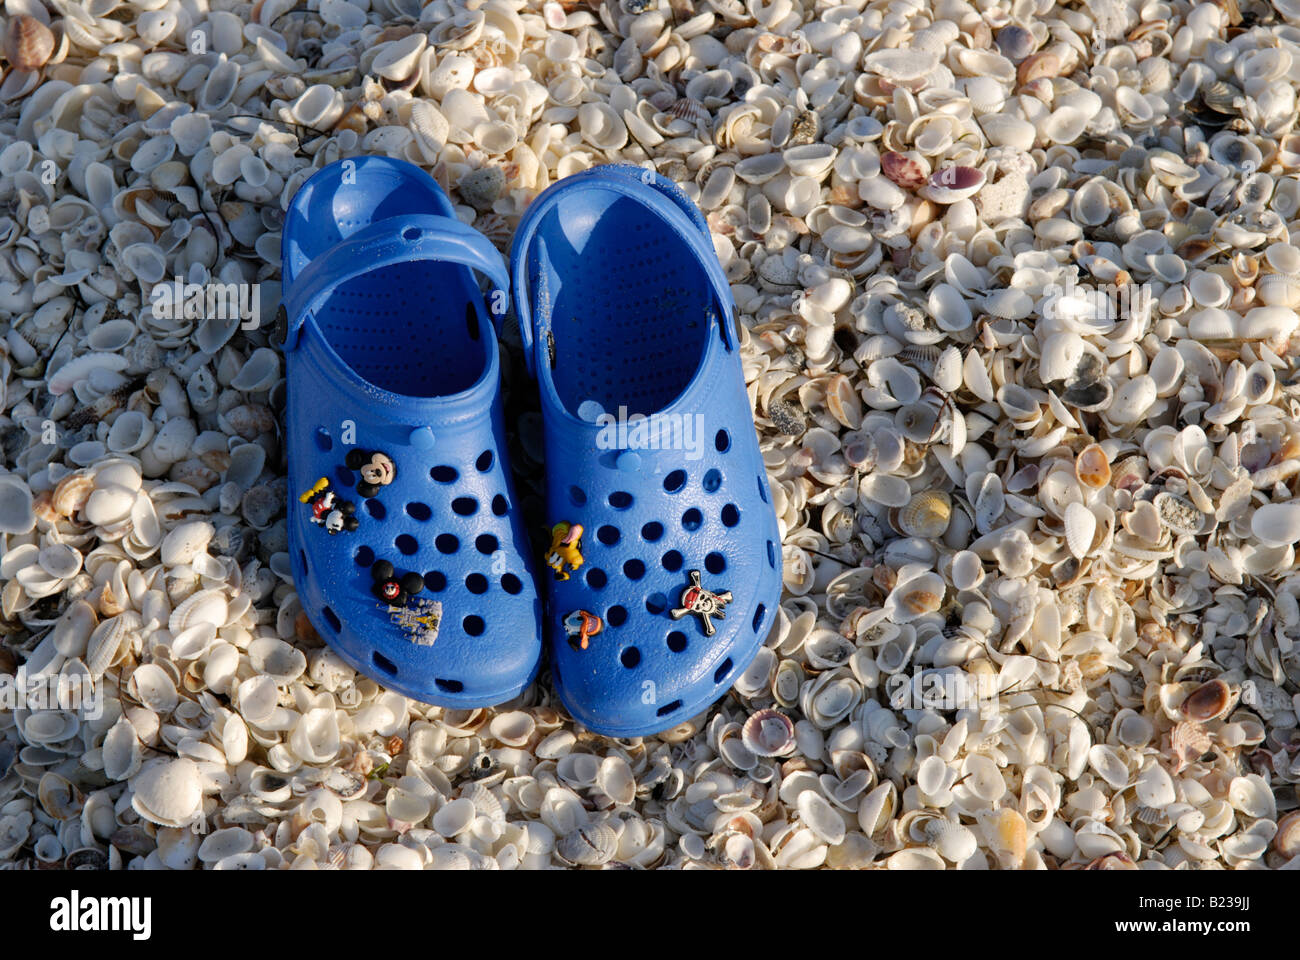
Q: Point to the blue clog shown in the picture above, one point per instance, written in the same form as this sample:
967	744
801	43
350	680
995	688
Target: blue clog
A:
664	554
407	550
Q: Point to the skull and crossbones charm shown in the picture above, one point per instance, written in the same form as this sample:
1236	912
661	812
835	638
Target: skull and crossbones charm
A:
705	604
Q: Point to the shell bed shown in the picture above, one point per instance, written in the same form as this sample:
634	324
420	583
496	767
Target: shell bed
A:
985	487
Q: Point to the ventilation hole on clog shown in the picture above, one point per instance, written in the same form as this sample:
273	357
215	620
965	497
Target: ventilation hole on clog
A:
449	686
712	481
668	708
323	441
444	474
476	583
500	505
652	531
722	442
771	554
407	544
473	625
634	569
616	616
344	476
487	544
715	563
484	461
332	618
435	581
762	488
724	668
692	519
656	603
471	321
464	506
675	481
364	556
596	578
447	543
607	535
411	233
758	616
384	664
676	641
730	515
620	500
376	509
577	496
511	584
419	511
672	561
630	657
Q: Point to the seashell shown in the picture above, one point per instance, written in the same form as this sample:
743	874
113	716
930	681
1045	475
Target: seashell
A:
768	733
1178	515
1276	524
167	792
952	184
589	845
1080	528
906	170
1092	467
916	597
1207	702
28	43
926	515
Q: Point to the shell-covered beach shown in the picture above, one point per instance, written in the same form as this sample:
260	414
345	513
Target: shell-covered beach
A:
1018	287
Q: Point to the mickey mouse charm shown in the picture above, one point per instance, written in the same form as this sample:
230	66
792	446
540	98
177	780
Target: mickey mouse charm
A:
327	510
392	589
376	469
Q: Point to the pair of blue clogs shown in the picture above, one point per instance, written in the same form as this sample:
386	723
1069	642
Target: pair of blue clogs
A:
663	567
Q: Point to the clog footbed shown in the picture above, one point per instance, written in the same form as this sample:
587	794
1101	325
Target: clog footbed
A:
624	310
407	550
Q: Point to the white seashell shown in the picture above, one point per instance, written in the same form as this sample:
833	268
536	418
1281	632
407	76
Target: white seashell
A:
397	59
1080	528
167	792
820	817
1276	524
1133	400
888	491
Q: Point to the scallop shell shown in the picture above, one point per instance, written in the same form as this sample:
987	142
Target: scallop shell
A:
926	515
768	733
588	845
1080	528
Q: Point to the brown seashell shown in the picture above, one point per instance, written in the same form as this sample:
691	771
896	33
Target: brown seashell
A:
71	493
922	601
1092	468
28	43
1287	839
903	170
1208	701
1037	66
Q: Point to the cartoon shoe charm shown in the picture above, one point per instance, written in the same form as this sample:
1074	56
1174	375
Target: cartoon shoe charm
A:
392	589
703	603
566	549
327	510
376	469
580	626
420	619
